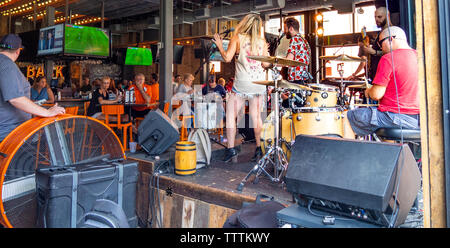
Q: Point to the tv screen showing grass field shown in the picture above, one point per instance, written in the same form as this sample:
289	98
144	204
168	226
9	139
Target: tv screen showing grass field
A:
138	56
90	41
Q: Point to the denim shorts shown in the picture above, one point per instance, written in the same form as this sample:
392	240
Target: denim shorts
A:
365	121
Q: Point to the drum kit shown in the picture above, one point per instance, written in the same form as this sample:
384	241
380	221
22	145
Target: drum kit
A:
311	109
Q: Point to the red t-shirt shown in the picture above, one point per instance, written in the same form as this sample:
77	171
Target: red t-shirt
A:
406	75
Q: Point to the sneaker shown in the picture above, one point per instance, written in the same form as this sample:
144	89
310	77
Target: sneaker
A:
258	154
230	153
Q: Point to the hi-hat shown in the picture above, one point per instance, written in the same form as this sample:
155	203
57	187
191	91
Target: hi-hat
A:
279	61
283	84
342	58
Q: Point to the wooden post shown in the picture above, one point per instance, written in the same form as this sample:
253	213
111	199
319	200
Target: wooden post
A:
431	122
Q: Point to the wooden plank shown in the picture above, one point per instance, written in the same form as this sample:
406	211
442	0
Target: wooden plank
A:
201	214
168	204
218	215
176	212
187	219
433	166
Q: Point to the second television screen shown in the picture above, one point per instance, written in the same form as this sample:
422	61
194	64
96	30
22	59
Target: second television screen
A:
89	41
51	40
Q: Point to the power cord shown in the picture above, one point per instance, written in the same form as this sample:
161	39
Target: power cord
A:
154	188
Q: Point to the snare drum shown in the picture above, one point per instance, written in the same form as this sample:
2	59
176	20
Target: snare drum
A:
322	96
319	121
287	133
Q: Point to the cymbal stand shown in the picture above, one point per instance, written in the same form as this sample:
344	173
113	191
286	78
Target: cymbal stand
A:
340	69
275	154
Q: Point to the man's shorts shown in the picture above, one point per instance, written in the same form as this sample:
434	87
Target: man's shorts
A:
365	121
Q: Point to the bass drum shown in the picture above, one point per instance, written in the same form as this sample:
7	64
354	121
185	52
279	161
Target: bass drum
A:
319	121
287	133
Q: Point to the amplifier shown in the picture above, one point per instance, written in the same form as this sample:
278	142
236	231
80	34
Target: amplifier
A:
66	194
362	174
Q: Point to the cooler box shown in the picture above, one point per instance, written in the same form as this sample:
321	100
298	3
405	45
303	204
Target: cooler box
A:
65	194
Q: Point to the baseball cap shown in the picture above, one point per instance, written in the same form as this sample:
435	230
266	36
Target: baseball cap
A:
11	41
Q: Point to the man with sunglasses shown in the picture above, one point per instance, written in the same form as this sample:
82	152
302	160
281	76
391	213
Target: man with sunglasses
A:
372	53
15	104
395	86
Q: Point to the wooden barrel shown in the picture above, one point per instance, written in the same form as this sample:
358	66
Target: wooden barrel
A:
185	158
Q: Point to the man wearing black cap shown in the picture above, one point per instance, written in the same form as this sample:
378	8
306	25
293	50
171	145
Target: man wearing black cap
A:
15	104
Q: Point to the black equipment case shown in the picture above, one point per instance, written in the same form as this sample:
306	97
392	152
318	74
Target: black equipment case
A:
66	194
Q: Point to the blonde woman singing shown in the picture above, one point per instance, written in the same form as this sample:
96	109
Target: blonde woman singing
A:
247	40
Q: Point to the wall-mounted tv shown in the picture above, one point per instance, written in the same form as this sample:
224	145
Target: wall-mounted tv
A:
138	56
87	41
177	53
51	40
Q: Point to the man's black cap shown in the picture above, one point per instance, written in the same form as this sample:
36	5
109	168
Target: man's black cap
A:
11	41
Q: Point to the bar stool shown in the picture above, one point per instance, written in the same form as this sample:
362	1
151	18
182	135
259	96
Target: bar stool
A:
118	111
86	106
410	136
184	132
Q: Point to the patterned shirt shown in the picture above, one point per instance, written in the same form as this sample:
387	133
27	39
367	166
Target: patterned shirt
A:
299	47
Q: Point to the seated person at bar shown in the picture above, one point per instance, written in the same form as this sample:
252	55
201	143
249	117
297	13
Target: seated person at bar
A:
154	84
86	87
143	95
394	111
186	86
99	97
15	104
112	90
41	91
213	87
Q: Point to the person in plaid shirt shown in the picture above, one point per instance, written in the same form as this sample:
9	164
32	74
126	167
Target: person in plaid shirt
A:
299	50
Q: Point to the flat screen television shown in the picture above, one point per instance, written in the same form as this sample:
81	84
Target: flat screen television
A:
177	53
88	41
138	56
51	40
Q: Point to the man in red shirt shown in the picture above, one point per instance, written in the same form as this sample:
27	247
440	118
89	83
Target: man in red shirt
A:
395	86
143	94
299	50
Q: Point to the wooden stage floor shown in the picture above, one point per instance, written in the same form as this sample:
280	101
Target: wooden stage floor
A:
208	197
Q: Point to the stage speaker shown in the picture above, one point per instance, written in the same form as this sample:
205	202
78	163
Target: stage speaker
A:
157	133
364	174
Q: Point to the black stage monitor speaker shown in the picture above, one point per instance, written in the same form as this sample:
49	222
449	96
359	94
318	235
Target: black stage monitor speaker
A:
157	133
358	173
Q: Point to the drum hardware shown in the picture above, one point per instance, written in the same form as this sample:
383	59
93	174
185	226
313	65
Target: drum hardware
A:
340	68
277	61
283	84
275	155
342	58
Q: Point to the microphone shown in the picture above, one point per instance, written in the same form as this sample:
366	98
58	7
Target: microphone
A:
226	32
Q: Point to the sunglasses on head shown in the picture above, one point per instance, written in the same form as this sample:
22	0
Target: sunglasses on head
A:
380	42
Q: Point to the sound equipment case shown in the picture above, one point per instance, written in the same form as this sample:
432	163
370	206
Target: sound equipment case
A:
58	187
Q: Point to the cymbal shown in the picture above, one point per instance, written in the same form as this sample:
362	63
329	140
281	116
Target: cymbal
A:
283	84
358	86
342	58
277	60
